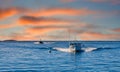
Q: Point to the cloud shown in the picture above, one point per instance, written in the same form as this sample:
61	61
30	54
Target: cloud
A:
19	37
115	1
33	33
98	36
46	32
41	21
4	38
67	1
41	31
116	30
106	1
64	11
8	12
56	32
4	13
115	12
6	26
98	0
62	33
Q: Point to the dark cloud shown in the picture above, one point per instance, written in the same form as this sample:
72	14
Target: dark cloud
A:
31	20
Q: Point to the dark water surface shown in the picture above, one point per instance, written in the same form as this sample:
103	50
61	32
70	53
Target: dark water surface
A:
29	57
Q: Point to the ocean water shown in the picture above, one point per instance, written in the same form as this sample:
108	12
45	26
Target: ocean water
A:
103	56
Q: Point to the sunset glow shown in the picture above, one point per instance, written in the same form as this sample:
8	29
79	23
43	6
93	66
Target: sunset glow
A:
54	19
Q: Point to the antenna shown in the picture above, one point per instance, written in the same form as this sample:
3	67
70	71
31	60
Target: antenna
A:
68	30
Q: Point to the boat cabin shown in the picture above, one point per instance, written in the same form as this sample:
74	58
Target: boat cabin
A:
76	47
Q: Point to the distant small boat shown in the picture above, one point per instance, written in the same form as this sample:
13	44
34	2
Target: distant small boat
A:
39	42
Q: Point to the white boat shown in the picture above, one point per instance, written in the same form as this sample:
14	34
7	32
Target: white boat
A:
79	47
73	47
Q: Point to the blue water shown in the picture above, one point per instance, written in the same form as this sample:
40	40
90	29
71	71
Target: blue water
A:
29	57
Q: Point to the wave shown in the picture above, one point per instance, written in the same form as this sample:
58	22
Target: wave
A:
62	49
88	49
68	50
21	70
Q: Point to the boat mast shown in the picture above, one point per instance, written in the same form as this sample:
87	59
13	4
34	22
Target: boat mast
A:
69	35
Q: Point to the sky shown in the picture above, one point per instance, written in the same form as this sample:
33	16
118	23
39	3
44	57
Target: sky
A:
59	20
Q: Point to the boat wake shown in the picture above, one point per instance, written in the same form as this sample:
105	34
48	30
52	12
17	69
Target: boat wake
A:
88	49
62	49
82	49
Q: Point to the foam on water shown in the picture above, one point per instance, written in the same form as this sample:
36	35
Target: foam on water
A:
62	49
89	49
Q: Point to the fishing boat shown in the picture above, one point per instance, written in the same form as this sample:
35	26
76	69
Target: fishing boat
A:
39	42
75	47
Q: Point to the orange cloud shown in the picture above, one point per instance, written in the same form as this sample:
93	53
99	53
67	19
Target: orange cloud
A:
41	21
4	13
40	31
4	38
63	11
37	34
18	37
5	26
34	33
8	12
22	37
49	32
98	36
